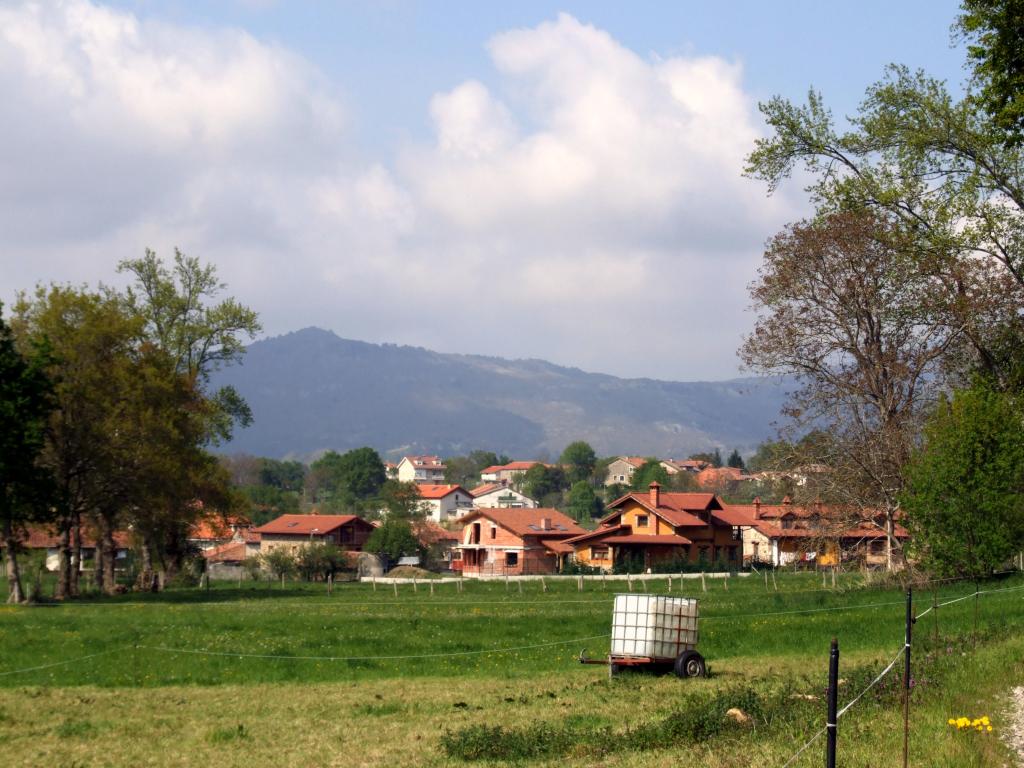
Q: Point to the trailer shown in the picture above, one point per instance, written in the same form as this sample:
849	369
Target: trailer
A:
655	632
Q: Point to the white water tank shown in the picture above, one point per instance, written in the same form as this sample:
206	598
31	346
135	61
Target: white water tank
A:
653	626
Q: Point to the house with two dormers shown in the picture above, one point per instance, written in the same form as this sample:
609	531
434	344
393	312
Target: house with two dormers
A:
658	528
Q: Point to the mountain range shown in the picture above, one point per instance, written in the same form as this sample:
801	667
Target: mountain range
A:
311	391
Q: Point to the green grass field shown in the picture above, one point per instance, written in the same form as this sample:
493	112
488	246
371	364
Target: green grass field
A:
190	676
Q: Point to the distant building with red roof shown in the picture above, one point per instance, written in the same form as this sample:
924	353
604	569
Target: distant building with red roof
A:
421	469
658	527
500	496
45	539
514	541
295	531
786	533
506	473
445	501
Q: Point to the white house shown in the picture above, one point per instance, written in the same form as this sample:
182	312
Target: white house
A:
445	502
421	469
500	496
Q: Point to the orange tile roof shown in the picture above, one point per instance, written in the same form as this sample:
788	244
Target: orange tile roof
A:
430	491
303	525
676	508
480	490
44	537
428	532
638	538
232	552
558	546
527	522
428	462
515	466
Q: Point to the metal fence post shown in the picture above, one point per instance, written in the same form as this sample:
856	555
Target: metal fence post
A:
833	695
906	674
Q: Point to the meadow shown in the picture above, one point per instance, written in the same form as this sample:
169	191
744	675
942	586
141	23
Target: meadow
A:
260	675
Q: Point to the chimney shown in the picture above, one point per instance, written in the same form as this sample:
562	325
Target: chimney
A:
545	524
787	500
757	507
655	494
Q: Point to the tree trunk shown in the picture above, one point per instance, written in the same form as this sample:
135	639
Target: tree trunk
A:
64	559
109	552
890	536
146	578
97	567
15	594
76	554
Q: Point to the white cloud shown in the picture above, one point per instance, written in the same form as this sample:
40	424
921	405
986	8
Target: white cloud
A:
589	210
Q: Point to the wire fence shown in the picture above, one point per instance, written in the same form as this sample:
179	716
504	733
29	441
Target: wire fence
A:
904	652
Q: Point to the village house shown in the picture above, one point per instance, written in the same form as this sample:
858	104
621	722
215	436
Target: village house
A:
620	471
500	496
788	534
294	531
213	530
47	541
420	469
677	466
720	477
506	473
438	542
444	502
659	528
514	542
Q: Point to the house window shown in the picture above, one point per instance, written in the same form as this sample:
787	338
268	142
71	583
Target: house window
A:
642	521
737	532
456	554
511	559
494	532
599	553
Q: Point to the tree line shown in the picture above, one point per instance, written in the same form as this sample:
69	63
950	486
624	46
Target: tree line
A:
109	416
899	305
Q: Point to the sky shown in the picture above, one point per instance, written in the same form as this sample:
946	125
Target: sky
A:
557	181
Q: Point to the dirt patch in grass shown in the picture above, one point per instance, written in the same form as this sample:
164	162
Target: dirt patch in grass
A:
411	571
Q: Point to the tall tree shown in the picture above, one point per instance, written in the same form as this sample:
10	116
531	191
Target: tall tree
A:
649	472
26	489
579	460
582	503
202	334
93	342
735	460
937	173
840	307
965	496
994	31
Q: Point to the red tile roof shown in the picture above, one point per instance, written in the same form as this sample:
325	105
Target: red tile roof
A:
558	546
47	538
602	531
714	475
217	527
527	522
480	490
428	532
303	525
428	462
678	509
429	491
514	466
232	552
639	538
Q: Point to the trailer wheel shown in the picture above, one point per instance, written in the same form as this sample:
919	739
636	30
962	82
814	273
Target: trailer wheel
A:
690	664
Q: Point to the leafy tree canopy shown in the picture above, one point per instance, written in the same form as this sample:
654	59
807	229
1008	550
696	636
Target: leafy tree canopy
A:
582	503
649	472
965	495
579	460
394	538
994	31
